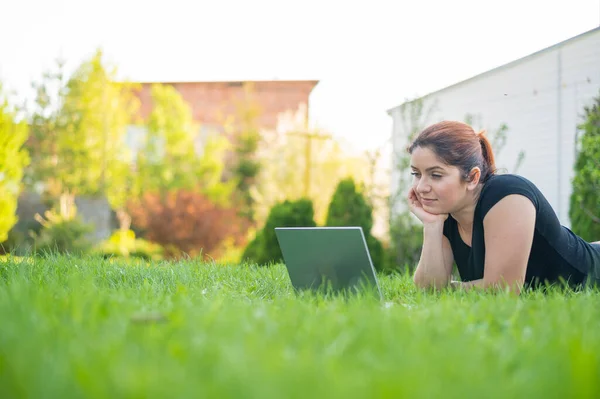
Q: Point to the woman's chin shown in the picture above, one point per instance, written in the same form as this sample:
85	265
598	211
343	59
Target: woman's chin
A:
433	210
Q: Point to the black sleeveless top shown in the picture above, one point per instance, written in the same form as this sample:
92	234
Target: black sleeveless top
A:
557	254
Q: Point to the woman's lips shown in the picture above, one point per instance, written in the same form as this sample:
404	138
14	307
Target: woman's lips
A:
427	201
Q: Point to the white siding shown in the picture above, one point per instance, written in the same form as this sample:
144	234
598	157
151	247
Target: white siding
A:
541	99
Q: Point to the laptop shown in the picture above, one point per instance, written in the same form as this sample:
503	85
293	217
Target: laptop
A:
335	258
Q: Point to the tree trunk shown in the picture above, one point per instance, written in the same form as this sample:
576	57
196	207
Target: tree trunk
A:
67	206
124	220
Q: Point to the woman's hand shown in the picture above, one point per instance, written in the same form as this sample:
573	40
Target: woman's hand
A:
417	209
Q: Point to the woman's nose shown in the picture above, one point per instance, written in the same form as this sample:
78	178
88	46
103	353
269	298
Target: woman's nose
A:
423	186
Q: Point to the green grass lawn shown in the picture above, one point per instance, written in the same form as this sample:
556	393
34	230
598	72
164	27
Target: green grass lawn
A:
91	328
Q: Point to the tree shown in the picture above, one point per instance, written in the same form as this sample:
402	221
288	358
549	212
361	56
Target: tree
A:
166	162
45	123
584	210
349	207
98	110
107	107
79	129
13	159
211	170
245	135
173	157
121	186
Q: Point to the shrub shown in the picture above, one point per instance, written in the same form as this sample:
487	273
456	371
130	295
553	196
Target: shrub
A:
584	209
186	222
349	207
264	249
61	234
123	243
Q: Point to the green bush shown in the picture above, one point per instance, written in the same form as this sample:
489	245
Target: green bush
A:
349	207
62	235
264	249
584	209
253	251
13	159
125	244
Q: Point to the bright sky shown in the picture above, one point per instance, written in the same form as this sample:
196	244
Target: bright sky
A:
369	55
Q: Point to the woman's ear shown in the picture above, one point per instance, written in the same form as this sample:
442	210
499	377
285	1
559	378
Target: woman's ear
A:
474	177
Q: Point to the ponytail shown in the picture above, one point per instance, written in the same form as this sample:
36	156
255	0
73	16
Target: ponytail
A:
489	163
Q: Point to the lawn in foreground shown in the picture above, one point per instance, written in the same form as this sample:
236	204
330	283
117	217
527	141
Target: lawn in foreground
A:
75	327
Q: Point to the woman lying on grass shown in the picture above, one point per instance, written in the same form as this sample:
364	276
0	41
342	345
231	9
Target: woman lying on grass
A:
498	228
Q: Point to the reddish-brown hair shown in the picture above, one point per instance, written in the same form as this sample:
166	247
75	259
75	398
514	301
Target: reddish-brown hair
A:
457	144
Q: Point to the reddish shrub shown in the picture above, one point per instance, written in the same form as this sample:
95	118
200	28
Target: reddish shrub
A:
186	222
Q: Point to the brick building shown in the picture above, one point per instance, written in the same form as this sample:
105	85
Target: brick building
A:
211	101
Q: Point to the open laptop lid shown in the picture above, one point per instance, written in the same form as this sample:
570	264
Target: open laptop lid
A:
338	255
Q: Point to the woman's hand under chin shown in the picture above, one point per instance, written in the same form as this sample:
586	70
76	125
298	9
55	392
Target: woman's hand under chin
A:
417	209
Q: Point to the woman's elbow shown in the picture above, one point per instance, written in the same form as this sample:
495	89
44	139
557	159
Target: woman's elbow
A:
427	282
418	281
513	285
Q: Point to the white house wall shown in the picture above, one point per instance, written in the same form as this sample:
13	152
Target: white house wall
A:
541	100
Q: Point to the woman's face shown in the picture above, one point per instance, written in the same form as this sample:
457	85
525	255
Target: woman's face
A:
438	186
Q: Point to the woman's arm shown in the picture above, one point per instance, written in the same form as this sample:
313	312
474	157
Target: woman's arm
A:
509	226
435	265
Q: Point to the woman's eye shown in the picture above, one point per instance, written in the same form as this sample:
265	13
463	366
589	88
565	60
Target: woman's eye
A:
436	176
414	173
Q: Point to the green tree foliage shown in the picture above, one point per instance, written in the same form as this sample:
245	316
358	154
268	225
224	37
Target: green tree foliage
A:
46	126
349	207
264	249
168	160
246	140
171	158
211	168
584	209
13	159
95	113
79	127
